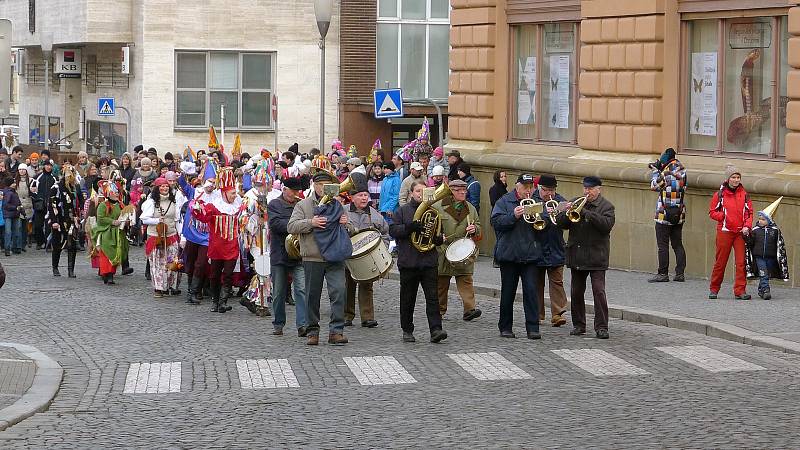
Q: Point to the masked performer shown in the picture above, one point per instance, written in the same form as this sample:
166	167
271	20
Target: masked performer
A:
64	220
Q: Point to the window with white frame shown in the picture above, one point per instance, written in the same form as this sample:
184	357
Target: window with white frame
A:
242	81
413	45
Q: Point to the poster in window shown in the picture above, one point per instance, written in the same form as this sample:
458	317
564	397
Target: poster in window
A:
529	73
703	111
559	91
524	107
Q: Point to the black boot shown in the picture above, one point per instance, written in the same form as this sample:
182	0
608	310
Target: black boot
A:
214	298
223	301
190	293
111	278
56	258
71	264
126	267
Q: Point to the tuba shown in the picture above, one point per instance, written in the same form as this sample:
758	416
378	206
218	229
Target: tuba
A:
533	213
345	186
431	222
574	211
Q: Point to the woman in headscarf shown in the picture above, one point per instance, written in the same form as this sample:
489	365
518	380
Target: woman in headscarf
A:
160	213
111	244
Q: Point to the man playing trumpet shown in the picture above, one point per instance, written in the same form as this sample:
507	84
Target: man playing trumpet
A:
459	219
551	240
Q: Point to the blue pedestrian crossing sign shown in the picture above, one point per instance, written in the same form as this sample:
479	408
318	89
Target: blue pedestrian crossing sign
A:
105	106
388	103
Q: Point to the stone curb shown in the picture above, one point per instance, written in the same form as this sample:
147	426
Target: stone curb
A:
631	314
38	397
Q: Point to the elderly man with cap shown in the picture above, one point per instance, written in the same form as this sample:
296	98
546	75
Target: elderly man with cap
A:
417	174
518	254
588	251
551	240
459	220
362	217
309	221
282	265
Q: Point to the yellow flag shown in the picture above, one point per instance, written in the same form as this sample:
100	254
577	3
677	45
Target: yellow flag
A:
212	138
237	147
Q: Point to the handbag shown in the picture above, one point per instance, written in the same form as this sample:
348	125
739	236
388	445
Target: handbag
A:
672	213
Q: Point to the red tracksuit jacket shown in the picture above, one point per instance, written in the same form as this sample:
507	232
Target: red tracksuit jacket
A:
734	212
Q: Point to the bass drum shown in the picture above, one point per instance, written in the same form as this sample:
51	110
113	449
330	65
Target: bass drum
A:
371	258
461	251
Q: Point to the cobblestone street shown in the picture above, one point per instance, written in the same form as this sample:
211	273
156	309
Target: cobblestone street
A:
145	372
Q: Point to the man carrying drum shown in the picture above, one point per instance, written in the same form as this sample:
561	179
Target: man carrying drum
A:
362	217
461	228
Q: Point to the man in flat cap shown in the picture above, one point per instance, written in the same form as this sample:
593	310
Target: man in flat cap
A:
551	240
588	250
307	220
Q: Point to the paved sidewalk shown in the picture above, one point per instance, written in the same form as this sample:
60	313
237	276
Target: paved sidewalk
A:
29	380
774	323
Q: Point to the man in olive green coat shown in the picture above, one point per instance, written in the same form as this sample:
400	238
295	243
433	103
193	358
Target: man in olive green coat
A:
459	219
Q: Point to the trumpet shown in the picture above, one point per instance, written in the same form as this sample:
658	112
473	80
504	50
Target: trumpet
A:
533	213
553	205
332	190
574	211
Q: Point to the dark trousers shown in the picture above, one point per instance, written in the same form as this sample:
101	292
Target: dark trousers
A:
666	234
38	228
221	274
598	279
59	244
333	275
410	280
196	259
510	275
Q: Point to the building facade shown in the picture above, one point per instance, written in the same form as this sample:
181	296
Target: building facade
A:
597	87
390	44
185	60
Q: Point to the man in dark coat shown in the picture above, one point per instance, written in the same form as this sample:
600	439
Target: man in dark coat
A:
279	211
518	253
551	240
44	190
588	251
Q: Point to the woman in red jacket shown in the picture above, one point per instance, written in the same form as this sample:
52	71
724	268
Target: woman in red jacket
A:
732	209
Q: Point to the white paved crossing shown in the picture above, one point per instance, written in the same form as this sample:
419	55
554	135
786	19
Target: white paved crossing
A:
489	366
265	374
376	370
153	378
709	359
599	362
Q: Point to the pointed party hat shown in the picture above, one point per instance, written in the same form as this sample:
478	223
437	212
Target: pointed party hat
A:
212	138
189	154
237	147
772	208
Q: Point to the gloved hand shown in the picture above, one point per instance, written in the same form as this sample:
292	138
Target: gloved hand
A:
416	226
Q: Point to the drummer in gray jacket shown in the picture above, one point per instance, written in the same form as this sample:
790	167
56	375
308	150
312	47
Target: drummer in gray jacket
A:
362	217
461	227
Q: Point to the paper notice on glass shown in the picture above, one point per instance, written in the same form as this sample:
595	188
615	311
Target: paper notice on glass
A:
559	91
703	108
529	73
524	107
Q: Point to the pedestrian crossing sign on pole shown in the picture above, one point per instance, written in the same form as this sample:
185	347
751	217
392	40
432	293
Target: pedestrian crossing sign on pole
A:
388	103
105	106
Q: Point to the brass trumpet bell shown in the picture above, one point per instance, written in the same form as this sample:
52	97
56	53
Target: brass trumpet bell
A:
431	222
533	213
331	192
574	211
553	205
292	246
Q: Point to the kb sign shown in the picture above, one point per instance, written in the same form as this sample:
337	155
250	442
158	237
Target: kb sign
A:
68	63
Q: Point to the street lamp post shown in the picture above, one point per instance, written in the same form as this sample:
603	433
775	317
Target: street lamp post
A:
323	10
47	48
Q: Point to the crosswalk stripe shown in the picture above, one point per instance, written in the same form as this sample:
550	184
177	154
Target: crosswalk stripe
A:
265	374
153	378
709	359
599	362
488	366
377	370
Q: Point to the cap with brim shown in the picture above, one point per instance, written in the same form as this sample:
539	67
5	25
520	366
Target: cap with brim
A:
525	178
592	181
323	176
293	183
454	153
437	171
548	181
354	161
457	183
359	183
416	166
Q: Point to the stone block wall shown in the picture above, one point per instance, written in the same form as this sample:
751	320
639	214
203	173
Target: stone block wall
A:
472	74
792	147
621	83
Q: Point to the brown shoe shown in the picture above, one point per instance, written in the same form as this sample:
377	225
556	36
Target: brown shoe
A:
277	332
557	320
313	339
337	339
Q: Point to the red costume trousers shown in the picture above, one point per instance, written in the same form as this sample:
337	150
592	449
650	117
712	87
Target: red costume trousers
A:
725	241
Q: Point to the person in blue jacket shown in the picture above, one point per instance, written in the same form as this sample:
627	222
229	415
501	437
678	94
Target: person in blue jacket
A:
390	192
195	234
473	186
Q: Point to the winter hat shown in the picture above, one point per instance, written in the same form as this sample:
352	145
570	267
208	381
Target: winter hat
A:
667	156
438	152
438	171
293	183
730	170
359	183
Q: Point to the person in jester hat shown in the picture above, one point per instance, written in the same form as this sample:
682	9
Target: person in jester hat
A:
109	239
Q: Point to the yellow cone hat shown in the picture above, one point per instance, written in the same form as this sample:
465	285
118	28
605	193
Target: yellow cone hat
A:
772	208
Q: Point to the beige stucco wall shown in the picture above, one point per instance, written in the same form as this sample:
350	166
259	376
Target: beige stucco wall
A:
628	113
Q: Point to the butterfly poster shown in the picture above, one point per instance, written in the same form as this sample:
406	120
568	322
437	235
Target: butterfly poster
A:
558	85
703	94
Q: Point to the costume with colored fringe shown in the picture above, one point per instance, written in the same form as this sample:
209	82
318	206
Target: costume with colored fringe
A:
256	238
109	239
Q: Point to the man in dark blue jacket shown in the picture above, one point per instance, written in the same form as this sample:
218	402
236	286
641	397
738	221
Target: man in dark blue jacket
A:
279	211
551	240
518	253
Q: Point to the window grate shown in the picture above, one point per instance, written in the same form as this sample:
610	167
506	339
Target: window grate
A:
106	75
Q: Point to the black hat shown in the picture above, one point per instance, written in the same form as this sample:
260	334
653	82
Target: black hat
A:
548	181
464	167
294	148
293	183
48	162
359	183
389	165
592	181
525	178
138	148
323	176
455	153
